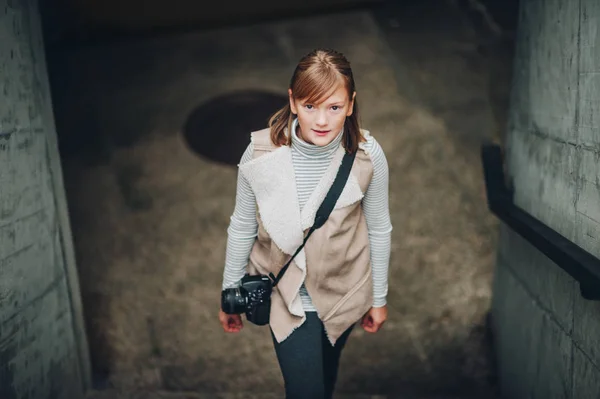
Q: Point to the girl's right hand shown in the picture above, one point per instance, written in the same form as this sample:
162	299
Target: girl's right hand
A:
231	323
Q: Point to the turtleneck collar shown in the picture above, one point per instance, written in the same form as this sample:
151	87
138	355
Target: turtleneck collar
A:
311	150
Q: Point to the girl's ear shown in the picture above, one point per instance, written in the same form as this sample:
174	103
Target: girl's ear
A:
292	102
351	108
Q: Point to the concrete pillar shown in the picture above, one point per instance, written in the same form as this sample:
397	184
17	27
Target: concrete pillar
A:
43	351
547	336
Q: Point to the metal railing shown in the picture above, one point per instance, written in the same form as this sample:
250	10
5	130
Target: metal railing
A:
580	264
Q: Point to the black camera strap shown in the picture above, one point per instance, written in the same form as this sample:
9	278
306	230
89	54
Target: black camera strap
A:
325	209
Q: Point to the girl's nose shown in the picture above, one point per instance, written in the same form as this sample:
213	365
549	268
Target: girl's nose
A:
322	118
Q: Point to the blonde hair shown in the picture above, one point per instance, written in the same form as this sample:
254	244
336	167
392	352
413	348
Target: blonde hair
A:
317	75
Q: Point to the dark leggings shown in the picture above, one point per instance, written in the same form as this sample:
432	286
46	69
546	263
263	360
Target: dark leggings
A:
308	361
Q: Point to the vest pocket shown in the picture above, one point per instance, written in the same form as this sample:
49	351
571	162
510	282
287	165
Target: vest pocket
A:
350	293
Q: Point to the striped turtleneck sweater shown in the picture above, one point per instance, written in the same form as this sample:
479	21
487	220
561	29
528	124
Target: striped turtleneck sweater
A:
310	163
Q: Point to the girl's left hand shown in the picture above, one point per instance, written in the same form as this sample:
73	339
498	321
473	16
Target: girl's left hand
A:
374	319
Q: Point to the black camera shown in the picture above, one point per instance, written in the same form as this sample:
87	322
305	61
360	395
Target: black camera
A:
252	297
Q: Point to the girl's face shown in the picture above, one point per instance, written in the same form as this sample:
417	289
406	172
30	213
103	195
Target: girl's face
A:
320	123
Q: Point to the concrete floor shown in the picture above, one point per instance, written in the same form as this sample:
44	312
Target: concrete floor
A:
149	216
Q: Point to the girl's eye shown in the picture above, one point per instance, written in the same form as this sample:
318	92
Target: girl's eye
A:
308	106
335	107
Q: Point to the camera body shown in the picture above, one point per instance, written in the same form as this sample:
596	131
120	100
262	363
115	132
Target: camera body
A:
252	297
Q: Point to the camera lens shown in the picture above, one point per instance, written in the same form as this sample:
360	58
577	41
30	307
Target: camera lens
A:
233	301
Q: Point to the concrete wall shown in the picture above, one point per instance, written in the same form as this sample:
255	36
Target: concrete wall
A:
42	344
547	335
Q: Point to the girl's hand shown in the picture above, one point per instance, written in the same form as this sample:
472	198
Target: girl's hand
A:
374	319
231	323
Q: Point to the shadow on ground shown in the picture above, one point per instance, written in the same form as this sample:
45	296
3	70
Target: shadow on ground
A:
218	130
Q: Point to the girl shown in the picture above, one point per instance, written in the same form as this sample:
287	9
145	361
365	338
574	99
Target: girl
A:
340	276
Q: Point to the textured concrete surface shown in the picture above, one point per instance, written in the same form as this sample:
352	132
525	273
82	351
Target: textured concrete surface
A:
529	343
39	353
552	152
150	216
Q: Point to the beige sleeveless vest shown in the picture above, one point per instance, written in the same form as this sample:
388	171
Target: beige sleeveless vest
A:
335	262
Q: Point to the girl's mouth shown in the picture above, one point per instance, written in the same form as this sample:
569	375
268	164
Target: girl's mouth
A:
321	132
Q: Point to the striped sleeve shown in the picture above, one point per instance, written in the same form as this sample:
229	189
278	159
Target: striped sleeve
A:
242	229
377	215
